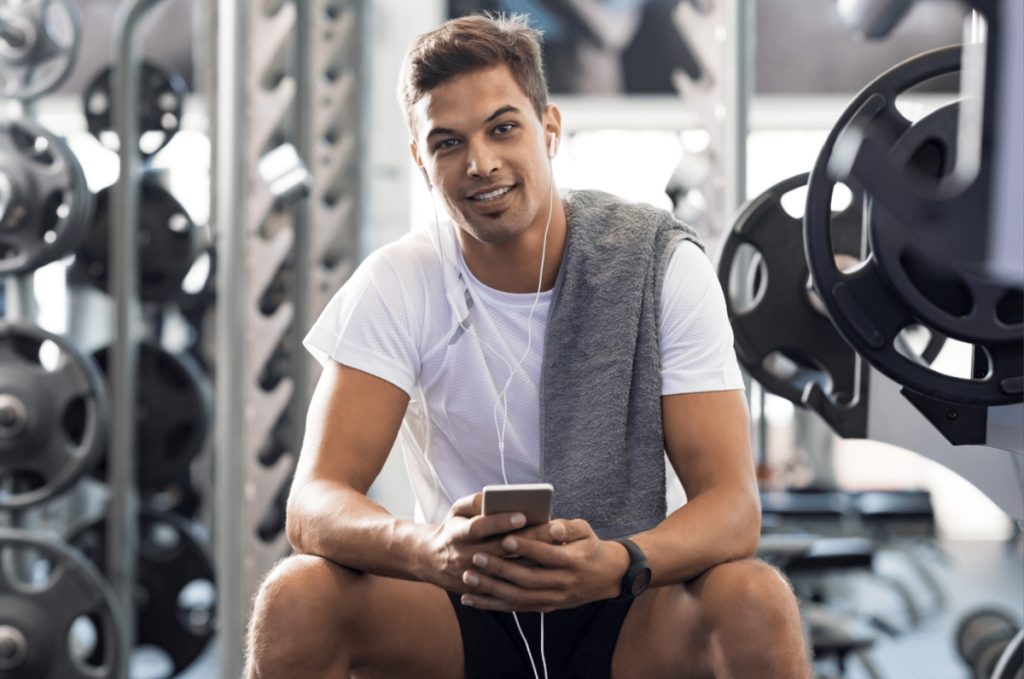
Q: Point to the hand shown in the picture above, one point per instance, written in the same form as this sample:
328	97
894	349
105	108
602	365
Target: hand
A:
465	532
572	567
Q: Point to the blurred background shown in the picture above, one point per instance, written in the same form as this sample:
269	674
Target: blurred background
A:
272	157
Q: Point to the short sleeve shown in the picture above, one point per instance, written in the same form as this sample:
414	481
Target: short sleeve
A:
696	339
371	324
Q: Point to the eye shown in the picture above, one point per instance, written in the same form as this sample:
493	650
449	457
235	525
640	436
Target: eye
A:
504	128
445	144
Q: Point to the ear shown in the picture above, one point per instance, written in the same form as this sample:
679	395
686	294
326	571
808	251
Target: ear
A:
414	150
552	126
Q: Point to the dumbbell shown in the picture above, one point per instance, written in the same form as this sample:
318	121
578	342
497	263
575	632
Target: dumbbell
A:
981	638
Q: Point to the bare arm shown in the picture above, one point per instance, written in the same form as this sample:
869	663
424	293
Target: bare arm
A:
707	442
351	426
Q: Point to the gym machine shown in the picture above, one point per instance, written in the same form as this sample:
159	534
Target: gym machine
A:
844	311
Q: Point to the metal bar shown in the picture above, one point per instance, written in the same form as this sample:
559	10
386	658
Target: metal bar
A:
230	434
122	523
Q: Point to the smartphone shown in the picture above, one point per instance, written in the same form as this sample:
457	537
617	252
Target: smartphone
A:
532	499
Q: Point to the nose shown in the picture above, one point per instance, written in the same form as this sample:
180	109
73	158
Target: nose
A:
481	159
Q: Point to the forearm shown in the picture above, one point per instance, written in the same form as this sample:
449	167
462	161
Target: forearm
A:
712	528
342	525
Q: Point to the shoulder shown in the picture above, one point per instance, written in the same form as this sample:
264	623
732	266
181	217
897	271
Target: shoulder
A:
408	265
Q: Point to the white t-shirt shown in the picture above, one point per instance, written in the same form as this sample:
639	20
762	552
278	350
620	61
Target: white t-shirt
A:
393	319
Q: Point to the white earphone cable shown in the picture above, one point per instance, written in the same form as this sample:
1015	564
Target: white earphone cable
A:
502	398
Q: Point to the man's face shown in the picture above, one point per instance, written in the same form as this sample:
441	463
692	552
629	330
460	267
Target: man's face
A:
482	146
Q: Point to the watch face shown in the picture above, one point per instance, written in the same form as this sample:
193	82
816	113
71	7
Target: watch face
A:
641	581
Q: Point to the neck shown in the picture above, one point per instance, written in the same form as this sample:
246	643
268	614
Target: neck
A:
513	266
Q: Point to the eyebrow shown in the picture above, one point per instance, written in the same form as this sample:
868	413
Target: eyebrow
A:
507	108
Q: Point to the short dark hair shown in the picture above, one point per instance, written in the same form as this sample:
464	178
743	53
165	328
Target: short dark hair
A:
471	43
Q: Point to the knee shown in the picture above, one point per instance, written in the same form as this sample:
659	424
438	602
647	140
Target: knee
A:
751	594
301	608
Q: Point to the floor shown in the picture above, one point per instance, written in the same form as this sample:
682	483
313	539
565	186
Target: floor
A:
971	574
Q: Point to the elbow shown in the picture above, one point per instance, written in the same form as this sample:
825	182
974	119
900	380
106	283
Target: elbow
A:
293	523
749	529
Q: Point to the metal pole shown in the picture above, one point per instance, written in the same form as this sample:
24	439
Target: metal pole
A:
229	213
122	523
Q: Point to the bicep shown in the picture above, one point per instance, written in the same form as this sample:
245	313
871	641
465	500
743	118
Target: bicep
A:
707	441
351	425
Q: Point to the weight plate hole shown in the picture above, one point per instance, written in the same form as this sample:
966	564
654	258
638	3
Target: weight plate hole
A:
99	103
162	540
49	355
747	283
196	603
198	275
1010	308
179	223
74	420
84	642
151	141
50	214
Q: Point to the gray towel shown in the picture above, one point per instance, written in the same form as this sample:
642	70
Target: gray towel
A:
602	444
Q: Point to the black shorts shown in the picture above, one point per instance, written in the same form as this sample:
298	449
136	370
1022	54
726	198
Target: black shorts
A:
578	642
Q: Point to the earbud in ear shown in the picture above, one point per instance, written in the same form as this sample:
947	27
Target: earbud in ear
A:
551	145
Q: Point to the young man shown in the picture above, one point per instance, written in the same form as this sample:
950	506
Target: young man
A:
568	339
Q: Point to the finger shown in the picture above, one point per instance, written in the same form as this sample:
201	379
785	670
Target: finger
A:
562	531
469	506
519	598
480	528
488	603
542	553
519	573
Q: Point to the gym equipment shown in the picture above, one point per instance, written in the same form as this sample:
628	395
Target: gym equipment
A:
783	340
162	101
873	18
168	244
174	413
981	639
783	336
39	42
46	610
45	205
53	414
869	308
175	597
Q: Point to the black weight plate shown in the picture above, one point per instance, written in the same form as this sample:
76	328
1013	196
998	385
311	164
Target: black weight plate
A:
45	205
53	414
35	619
161	104
782	318
173	564
42	47
173	414
862	303
168	244
957	301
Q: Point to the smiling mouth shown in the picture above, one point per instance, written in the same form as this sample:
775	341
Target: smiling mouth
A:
491	195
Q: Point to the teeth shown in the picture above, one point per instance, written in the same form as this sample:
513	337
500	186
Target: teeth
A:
493	194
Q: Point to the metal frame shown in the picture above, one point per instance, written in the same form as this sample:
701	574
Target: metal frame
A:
122	530
271	62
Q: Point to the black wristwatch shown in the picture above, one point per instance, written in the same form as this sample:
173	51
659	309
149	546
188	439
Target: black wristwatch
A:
638	575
